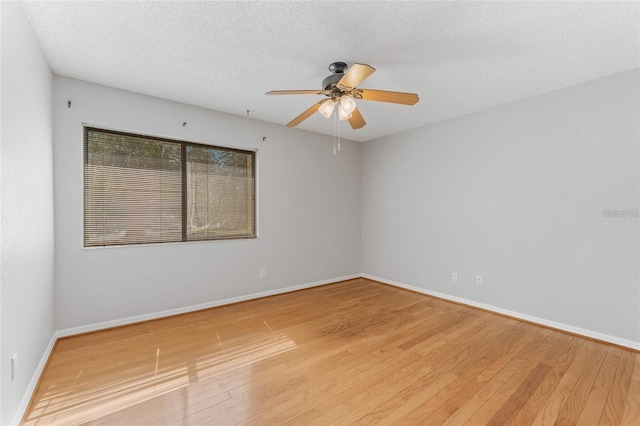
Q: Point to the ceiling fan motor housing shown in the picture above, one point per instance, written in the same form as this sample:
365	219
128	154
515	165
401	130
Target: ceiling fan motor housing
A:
330	82
338	69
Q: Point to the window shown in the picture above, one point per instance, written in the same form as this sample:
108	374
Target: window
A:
140	189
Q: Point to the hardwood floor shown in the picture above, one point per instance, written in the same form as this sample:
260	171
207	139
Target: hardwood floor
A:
356	352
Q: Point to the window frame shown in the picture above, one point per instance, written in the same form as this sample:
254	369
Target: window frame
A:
252	209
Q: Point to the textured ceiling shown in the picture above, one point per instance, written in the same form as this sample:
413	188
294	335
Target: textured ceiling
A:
459	57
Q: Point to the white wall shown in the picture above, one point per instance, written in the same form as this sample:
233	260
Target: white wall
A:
309	213
516	194
26	255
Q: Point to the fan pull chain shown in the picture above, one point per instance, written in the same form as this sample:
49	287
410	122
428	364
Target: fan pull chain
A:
335	124
339	135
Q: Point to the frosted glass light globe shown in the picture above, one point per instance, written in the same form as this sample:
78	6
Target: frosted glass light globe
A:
347	103
326	109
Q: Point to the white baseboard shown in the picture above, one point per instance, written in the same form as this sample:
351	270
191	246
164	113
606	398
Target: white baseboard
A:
170	312
26	398
541	321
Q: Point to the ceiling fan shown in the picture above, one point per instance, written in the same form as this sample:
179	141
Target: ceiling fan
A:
341	89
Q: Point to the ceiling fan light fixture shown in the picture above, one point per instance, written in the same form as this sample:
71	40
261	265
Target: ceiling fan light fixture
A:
347	103
326	109
343	114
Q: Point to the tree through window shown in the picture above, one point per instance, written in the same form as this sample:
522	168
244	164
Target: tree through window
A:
140	189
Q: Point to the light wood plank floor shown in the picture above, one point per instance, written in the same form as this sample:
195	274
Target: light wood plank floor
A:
355	352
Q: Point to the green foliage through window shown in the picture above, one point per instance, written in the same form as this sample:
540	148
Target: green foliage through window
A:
140	189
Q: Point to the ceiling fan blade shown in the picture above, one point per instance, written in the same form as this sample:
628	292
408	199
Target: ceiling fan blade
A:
295	92
356	75
385	96
308	113
356	120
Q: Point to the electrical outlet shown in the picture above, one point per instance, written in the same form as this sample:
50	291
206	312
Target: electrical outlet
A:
14	365
263	273
454	277
479	279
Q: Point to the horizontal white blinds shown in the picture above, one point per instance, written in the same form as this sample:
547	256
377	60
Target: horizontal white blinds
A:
139	189
220	186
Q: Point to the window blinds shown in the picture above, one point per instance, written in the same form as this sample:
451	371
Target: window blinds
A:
140	189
